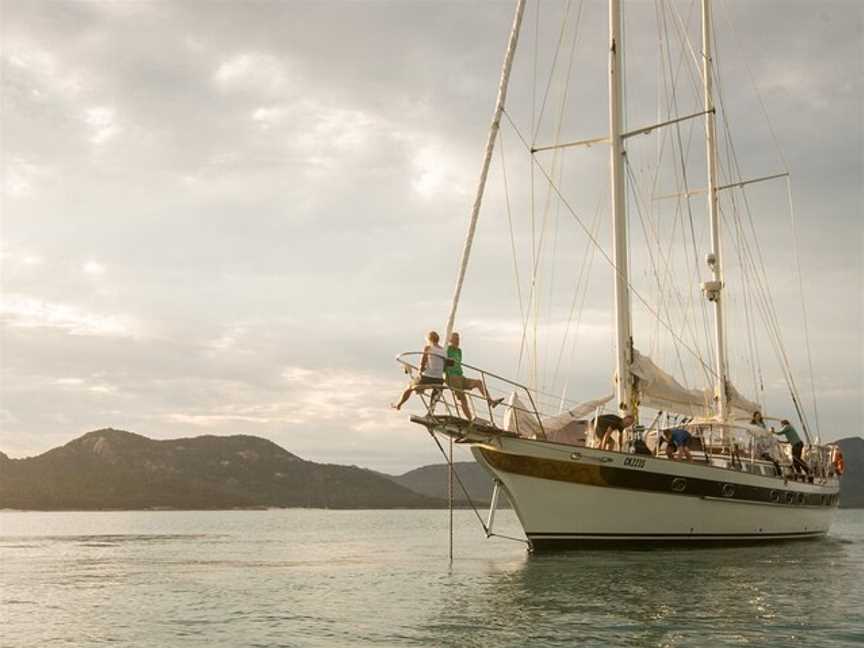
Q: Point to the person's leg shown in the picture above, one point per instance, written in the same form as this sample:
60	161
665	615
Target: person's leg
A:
457	386
473	383
463	401
607	441
405	396
684	451
796	458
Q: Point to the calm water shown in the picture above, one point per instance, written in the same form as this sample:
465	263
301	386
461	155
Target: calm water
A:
363	578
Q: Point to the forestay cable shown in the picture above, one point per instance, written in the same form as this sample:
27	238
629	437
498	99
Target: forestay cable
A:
487	159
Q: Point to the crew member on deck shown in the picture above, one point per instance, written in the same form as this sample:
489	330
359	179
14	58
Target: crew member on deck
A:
431	368
797	444
458	382
676	443
758	420
606	424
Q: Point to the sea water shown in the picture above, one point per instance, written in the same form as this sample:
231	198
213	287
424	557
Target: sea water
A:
370	578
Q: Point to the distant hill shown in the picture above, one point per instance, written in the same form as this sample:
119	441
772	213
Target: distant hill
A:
852	482
113	469
432	482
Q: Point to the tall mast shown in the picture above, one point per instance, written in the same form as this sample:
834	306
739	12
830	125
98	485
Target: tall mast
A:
714	288
624	339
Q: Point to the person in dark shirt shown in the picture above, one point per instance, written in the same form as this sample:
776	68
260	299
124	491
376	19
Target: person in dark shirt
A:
606	424
792	437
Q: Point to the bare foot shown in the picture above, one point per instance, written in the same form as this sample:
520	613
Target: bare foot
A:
395	406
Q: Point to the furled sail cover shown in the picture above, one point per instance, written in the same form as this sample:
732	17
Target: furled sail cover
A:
575	413
660	390
740	405
522	420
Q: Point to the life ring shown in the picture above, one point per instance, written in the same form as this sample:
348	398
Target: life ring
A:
839	463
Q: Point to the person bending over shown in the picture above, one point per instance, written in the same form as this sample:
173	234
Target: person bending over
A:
606	424
676	443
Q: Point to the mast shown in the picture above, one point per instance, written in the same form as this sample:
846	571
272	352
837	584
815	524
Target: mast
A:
624	338
713	288
487	159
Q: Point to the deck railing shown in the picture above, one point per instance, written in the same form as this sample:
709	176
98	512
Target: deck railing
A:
453	399
717	442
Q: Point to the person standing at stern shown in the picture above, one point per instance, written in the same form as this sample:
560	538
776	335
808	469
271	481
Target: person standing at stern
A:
797	444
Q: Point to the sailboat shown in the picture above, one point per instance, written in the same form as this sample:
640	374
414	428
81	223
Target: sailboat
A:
569	488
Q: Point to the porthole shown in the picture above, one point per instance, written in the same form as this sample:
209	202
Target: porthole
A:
774	496
727	490
679	484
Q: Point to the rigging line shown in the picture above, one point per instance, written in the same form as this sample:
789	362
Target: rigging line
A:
595	242
585	285
532	181
796	247
748	319
554	64
510	222
785	164
685	38
576	292
752	79
467	495
556	221
537	247
709	344
561	115
750	324
772	321
651	257
532	304
671	291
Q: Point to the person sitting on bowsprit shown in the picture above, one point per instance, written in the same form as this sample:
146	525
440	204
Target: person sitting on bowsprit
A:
431	369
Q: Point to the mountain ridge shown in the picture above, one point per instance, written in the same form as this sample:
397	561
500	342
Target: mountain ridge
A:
116	469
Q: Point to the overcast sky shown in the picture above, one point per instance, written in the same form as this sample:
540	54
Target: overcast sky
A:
224	218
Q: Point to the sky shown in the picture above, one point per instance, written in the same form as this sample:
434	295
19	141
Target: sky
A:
228	218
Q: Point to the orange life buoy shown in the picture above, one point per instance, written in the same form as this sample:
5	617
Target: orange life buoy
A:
839	463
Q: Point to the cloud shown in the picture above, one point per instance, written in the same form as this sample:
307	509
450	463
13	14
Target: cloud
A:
251	72
21	311
93	268
102	123
20	177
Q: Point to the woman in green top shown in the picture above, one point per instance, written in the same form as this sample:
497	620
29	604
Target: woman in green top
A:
458	382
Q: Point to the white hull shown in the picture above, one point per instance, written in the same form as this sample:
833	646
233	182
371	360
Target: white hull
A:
566	495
